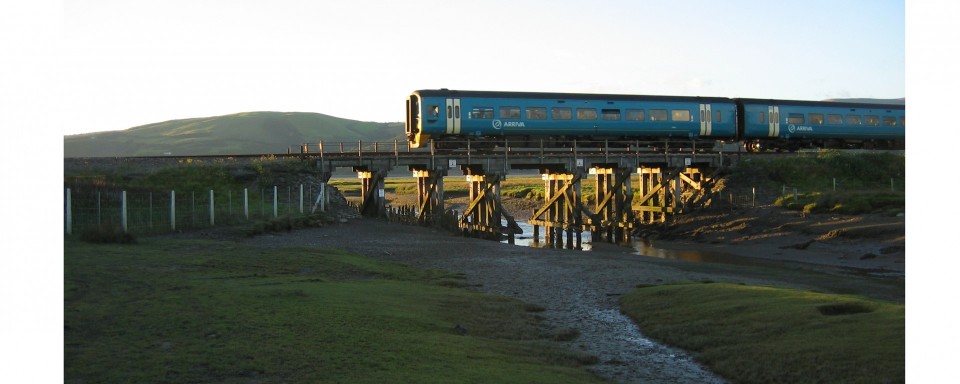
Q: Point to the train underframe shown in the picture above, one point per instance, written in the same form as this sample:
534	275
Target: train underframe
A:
787	145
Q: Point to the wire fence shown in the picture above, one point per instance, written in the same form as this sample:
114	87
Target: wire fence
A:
150	212
785	192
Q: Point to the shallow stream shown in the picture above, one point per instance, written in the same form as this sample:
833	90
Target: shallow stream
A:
625	354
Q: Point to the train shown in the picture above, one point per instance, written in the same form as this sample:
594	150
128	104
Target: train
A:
454	119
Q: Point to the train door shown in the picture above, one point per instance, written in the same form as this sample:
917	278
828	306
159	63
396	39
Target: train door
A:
706	120
774	112
453	116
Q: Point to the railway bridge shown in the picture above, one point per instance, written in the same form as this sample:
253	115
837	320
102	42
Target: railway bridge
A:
667	181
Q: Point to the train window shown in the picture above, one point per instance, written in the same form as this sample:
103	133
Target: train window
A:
635	114
610	114
509	112
536	113
718	117
816	118
835	119
763	118
558	113
434	110
795	118
853	119
586	114
903	120
889	121
873	120
481	113
680	115
658	114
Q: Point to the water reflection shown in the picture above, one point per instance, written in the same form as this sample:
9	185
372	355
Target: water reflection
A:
640	247
526	239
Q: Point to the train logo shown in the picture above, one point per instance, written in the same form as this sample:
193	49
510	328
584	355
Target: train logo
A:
498	124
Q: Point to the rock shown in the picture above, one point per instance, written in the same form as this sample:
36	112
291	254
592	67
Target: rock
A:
800	246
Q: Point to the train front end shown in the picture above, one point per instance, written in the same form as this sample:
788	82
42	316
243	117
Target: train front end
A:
425	117
413	126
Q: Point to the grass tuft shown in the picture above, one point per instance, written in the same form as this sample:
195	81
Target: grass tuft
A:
107	235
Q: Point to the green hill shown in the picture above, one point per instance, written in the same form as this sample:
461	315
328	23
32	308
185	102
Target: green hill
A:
237	134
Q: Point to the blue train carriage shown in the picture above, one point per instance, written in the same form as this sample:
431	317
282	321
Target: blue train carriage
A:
449	117
791	125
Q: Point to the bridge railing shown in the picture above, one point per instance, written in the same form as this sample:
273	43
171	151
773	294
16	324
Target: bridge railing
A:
399	146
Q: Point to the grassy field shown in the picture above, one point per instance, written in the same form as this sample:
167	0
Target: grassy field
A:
830	181
178	311
752	334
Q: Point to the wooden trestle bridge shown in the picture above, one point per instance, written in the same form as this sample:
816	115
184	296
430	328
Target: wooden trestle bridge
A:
667	181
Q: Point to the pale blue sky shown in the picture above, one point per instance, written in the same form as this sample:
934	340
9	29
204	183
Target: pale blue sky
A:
122	63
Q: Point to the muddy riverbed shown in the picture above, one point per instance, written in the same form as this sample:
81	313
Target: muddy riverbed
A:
580	289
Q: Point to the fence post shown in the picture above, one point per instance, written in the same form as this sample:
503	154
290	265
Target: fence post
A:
834	184
246	210
69	218
211	209
754	202
123	211
173	210
323	197
274	201
891	186
301	199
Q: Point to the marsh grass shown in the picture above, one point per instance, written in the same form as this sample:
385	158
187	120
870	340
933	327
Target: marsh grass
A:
168	310
846	202
752	334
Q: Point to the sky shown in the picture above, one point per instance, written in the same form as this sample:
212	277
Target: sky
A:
116	64
81	66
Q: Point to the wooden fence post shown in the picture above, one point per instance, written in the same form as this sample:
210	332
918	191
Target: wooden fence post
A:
69	218
211	209
173	210
123	211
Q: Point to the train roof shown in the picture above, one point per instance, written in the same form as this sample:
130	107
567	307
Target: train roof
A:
807	103
567	96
